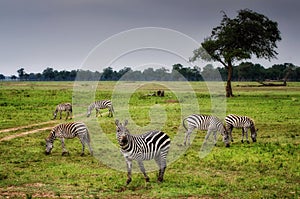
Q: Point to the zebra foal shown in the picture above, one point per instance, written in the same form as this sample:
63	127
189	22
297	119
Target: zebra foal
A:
150	145
68	131
63	107
205	122
102	104
243	122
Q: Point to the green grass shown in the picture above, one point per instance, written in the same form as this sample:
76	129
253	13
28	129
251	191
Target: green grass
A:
268	168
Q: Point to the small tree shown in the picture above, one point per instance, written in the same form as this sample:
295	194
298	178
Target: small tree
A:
248	34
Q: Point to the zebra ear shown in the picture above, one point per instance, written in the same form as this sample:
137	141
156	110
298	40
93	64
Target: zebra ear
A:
125	122
117	122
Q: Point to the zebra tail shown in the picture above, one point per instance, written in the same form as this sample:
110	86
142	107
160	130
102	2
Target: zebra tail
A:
88	136
183	123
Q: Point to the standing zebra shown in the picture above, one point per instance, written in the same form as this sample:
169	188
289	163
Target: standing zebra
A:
69	131
151	145
63	107
205	122
100	105
244	122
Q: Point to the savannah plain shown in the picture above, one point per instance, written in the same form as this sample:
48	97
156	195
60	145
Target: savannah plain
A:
269	168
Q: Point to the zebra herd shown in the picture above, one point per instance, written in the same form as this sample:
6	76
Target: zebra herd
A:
152	144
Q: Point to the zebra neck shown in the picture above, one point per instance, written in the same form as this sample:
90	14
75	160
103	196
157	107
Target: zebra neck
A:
52	136
92	106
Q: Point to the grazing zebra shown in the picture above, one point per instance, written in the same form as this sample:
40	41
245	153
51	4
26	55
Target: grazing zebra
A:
100	105
69	131
151	145
205	122
244	122
63	107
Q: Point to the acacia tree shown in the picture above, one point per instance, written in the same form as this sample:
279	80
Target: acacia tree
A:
248	34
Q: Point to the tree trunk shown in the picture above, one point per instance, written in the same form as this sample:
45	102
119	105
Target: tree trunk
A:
229	77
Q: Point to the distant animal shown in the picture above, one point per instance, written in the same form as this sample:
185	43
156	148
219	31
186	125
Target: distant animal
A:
102	104
205	122
243	122
63	107
150	145
69	131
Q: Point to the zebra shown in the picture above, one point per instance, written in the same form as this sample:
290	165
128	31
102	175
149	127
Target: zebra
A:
63	107
68	131
205	122
102	104
150	145
244	122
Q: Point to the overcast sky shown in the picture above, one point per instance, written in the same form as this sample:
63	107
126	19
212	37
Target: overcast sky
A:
36	34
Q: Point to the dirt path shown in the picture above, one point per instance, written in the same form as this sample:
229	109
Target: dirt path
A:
27	132
28	126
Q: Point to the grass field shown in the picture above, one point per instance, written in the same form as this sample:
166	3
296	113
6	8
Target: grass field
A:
269	168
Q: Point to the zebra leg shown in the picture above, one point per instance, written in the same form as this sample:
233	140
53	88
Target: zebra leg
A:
188	136
230	133
83	143
162	164
215	137
60	115
67	115
129	168
142	168
243	133
63	147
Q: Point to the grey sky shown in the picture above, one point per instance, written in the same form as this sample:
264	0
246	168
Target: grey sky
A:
36	34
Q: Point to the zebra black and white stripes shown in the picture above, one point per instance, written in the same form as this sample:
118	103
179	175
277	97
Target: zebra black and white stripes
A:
205	122
243	122
102	104
63	107
151	145
69	131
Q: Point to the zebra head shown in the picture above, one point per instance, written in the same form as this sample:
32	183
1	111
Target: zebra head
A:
89	110
49	146
122	133
253	133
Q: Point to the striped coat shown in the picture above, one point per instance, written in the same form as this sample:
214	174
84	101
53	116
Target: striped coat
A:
243	122
151	145
102	104
63	107
205	122
68	131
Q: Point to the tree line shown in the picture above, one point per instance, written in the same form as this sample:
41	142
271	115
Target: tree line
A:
245	71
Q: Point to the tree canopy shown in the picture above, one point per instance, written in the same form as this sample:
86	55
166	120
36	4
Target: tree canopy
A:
240	38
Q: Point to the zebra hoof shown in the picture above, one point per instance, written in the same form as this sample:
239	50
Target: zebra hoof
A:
248	142
65	153
82	154
242	141
227	145
160	179
128	181
147	179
